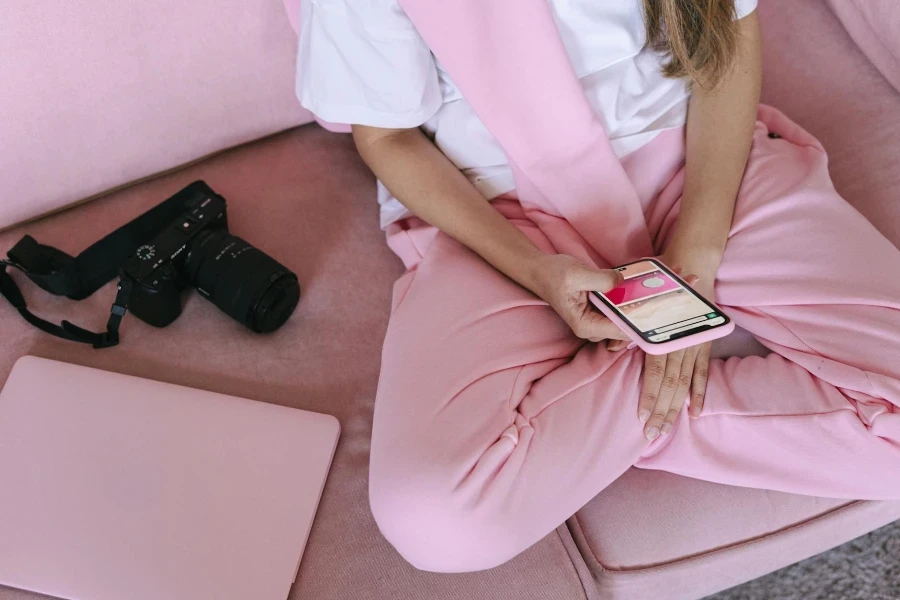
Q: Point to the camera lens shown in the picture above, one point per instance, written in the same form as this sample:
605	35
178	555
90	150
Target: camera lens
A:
247	284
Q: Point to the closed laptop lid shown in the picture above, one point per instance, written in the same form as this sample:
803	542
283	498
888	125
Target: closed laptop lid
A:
114	487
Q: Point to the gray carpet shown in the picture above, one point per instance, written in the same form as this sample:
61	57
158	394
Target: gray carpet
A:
868	568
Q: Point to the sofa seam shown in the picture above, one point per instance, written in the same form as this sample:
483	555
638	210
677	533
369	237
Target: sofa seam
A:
590	548
590	593
140	180
722	550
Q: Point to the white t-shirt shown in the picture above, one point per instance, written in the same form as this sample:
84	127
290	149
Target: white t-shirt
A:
363	62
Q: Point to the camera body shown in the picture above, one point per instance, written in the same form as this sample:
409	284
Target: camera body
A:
156	269
196	250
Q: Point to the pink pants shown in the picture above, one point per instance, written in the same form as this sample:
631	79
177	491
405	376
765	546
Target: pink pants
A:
494	424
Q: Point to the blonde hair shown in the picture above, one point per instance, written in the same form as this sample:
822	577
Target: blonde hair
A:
699	37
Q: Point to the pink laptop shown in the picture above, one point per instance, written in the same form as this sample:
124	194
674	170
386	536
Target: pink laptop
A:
114	487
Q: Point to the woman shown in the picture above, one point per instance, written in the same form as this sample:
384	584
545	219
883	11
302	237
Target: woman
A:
505	401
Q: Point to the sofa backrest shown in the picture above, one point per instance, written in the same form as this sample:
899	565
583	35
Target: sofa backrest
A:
95	94
875	27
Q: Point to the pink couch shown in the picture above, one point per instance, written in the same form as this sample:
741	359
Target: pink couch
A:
106	93
875	27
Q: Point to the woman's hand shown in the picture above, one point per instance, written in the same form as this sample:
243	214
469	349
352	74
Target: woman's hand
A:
669	378
565	283
719	134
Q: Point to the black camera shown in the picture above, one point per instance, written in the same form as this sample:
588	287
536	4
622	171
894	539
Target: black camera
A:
196	250
181	242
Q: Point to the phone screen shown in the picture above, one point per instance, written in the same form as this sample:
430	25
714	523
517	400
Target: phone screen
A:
657	305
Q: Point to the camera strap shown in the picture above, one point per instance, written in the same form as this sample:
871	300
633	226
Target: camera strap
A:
78	277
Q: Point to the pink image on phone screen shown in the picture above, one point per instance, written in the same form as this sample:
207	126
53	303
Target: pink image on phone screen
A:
664	311
645	285
656	303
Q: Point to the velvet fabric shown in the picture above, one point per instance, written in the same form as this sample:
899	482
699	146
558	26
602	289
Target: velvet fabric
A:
95	94
305	198
875	27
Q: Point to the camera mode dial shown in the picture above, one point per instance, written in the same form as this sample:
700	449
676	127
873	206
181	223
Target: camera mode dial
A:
146	252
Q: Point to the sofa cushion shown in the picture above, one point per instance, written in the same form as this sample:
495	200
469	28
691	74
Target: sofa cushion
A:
875	27
655	535
95	94
306	198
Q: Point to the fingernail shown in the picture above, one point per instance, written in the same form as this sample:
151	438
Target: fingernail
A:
652	433
666	428
644	415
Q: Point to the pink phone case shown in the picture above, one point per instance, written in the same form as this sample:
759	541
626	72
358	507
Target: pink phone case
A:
671	346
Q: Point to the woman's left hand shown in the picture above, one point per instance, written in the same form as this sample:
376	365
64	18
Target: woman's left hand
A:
670	377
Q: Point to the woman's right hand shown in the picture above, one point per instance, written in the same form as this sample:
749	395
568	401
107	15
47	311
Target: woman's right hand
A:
565	283
434	189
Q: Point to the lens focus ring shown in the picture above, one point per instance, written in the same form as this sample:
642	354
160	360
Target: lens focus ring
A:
245	283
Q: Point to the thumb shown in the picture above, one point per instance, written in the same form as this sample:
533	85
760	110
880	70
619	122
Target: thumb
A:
617	345
595	327
589	279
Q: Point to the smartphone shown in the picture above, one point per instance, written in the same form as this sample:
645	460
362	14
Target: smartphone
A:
659	311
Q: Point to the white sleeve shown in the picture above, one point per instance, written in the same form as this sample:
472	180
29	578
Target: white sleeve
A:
742	8
363	62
